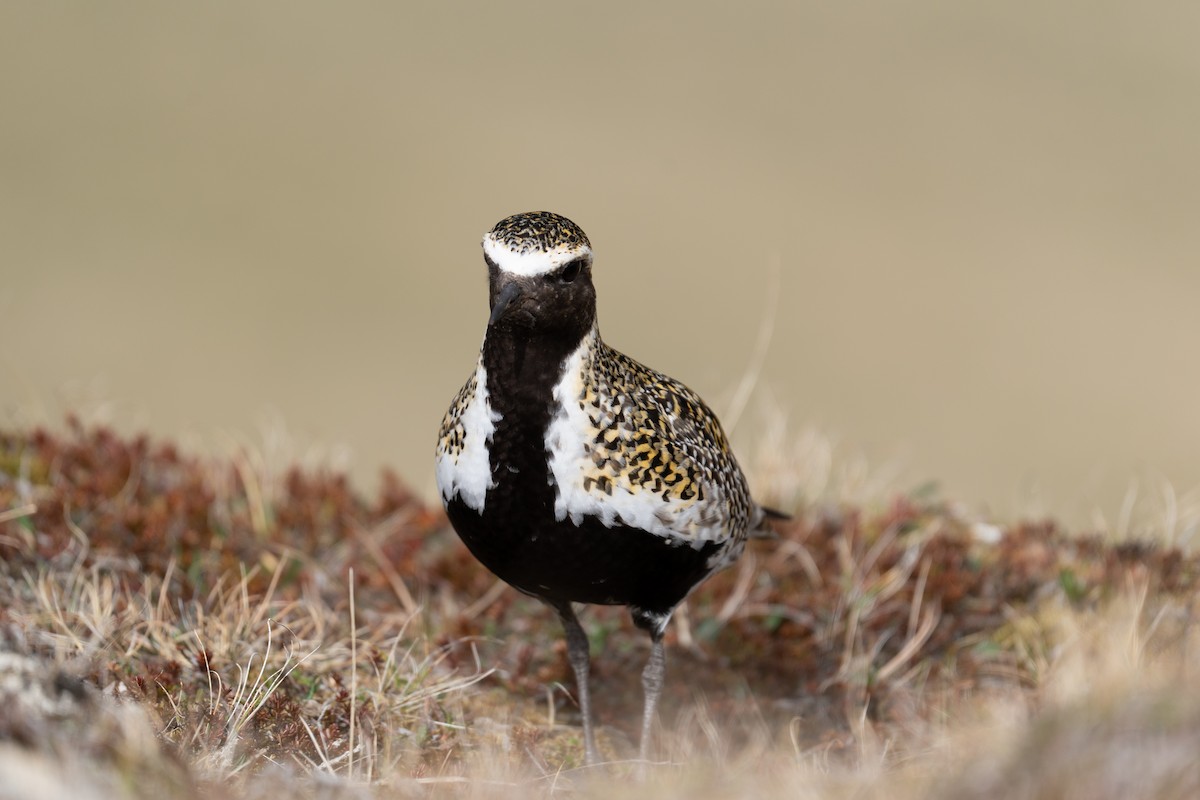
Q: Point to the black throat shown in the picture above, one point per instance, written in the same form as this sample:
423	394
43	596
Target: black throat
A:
523	367
537	321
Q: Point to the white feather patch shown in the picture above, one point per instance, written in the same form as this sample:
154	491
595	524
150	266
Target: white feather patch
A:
534	262
468	473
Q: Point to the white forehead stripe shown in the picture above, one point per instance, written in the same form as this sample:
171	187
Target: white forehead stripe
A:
534	262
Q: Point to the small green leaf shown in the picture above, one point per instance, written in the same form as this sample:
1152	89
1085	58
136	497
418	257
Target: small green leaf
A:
1071	585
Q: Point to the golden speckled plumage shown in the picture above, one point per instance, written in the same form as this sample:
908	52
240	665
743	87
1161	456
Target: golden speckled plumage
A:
638	448
541	231
655	434
452	435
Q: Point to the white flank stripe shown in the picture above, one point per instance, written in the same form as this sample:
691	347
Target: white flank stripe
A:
469	473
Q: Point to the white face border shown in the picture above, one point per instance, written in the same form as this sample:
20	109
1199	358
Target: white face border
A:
533	263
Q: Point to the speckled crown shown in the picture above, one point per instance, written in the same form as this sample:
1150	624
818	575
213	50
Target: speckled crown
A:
535	243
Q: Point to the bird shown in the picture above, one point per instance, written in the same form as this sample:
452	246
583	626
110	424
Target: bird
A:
573	472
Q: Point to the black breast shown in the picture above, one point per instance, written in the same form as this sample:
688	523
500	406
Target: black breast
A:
585	563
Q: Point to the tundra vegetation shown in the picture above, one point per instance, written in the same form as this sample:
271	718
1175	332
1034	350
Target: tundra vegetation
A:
174	626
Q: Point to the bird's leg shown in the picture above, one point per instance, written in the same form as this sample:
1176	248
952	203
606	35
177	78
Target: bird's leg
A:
652	675
577	654
652	683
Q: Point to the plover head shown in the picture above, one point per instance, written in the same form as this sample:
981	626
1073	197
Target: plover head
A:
540	275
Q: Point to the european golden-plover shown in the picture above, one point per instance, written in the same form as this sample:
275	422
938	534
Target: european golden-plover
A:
576	474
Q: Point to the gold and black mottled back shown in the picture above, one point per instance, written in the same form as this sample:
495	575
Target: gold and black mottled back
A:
659	437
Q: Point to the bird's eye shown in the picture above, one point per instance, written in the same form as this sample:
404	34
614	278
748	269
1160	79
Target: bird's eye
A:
571	271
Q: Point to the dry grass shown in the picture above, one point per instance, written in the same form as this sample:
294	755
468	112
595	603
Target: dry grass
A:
171	627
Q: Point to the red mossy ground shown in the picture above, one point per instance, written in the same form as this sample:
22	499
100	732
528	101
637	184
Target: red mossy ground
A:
849	609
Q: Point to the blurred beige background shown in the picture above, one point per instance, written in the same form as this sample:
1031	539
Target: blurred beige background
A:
986	220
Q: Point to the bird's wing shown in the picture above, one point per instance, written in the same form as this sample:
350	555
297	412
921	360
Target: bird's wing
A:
654	456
